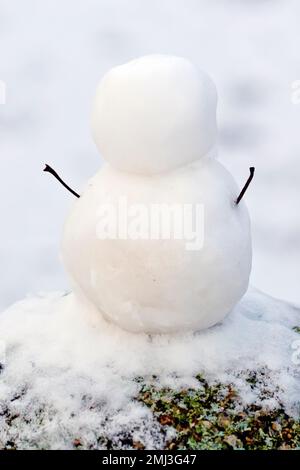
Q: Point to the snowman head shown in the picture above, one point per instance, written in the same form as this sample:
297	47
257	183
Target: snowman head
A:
154	114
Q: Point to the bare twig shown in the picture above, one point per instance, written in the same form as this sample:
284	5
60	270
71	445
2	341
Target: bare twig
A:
252	170
50	170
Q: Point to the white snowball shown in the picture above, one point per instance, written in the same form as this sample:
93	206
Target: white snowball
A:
154	114
159	286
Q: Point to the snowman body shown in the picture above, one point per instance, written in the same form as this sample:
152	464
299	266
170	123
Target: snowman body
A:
154	122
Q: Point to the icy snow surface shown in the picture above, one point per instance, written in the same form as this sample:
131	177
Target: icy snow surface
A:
66	372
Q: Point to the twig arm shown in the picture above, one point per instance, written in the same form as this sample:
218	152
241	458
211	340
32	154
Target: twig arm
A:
252	170
48	169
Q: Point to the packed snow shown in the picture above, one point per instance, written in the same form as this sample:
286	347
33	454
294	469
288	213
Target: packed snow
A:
154	113
159	285
67	373
154	120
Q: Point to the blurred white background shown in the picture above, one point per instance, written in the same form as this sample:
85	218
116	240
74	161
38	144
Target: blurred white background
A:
52	54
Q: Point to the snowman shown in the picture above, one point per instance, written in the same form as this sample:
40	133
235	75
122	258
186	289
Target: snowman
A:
154	122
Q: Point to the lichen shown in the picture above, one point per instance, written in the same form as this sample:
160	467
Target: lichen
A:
212	417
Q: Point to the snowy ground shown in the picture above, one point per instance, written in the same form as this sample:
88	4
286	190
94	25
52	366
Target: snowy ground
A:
52	55
67	374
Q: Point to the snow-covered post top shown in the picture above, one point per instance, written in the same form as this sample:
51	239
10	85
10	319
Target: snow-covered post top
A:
154	114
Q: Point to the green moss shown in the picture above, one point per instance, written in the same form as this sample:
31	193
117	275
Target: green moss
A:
212	417
296	329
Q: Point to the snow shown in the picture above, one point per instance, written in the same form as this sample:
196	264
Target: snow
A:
154	120
153	114
67	374
168	283
52	55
